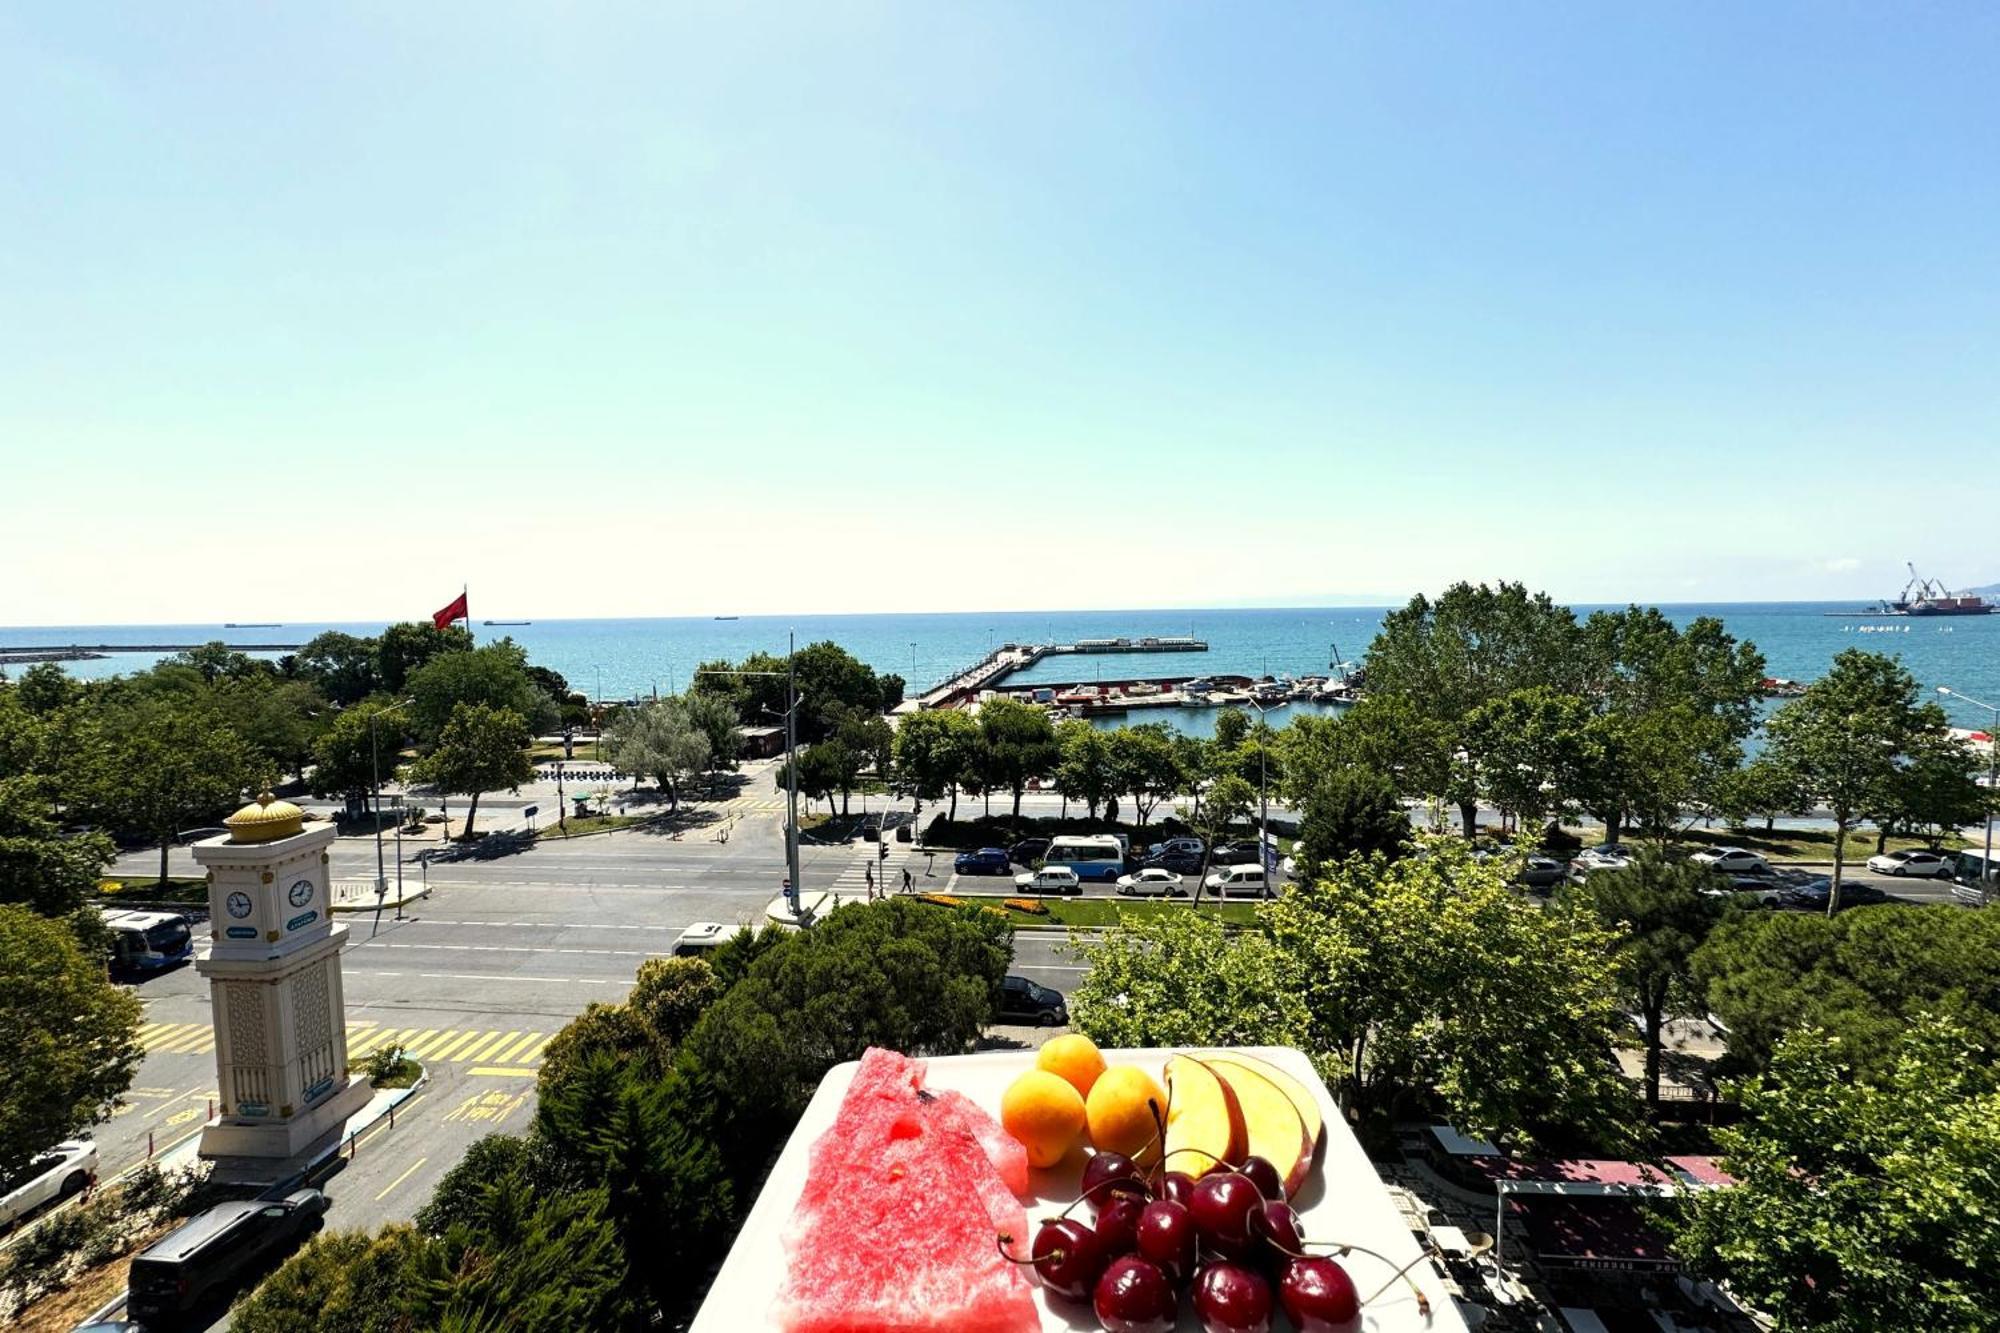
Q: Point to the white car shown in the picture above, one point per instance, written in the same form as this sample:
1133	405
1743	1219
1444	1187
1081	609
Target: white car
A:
1608	856
1049	879
702	937
1732	861
1153	883
1934	865
62	1171
1244	881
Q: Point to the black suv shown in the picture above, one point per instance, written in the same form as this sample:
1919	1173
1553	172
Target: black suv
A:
217	1251
1025	1001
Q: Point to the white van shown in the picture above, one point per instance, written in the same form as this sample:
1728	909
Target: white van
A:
1246	881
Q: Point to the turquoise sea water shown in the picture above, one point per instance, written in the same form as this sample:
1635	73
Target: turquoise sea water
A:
621	658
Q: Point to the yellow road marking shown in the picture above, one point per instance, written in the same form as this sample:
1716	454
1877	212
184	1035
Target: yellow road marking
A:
420	1047
534	1053
512	1053
400	1179
451	1048
480	1051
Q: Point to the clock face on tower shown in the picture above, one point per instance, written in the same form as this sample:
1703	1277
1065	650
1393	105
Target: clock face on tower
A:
238	904
301	892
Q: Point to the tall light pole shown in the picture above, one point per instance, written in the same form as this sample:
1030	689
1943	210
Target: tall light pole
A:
791	676
1264	859
375	775
1992	784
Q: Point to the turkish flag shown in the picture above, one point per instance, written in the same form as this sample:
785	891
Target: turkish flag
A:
454	611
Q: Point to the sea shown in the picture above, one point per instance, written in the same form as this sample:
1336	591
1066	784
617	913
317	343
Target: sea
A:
627	658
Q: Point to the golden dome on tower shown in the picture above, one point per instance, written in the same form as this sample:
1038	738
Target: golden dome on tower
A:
265	819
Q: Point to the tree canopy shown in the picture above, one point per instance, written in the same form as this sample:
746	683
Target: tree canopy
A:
660	738
1863	1202
41	867
495	676
481	749
68	1037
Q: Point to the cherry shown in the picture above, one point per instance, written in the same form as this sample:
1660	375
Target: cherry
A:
1281	1239
1222	1204
1134	1296
1231	1298
1264	1176
1069	1258
1175	1185
1167	1237
1319	1296
1118	1225
1109	1173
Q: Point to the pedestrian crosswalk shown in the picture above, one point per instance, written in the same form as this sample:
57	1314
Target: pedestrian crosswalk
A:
518	1048
753	805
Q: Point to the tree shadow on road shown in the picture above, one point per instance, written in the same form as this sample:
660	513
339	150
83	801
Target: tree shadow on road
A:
482	847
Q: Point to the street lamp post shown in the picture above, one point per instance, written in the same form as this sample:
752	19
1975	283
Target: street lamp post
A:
1263	802
375	776
790	674
1992	784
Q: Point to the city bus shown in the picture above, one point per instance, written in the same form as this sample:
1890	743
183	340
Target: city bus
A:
149	941
1092	857
1972	866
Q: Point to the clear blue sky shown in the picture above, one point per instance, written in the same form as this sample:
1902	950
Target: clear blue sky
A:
654	309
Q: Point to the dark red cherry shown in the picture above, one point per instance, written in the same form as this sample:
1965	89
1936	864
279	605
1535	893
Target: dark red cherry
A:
1320	1297
1068	1257
1134	1296
1222	1206
1232	1298
1280	1237
1118	1224
1175	1185
1109	1173
1264	1176
1167	1237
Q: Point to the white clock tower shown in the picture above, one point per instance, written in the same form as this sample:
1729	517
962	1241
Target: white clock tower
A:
274	987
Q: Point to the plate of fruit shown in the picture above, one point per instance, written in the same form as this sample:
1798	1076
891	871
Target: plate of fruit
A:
1137	1191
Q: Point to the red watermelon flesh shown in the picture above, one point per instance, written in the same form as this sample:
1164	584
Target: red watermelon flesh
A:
896	1227
1009	1158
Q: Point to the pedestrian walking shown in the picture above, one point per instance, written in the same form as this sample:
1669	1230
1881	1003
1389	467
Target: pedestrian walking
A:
871	879
909	883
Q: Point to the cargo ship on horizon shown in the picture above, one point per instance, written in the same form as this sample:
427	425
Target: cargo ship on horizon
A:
1928	597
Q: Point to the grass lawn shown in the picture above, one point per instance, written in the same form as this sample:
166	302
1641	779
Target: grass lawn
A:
146	888
591	824
1103	912
1793	844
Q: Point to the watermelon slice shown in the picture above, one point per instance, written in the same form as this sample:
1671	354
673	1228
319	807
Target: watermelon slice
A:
895	1229
1009	1158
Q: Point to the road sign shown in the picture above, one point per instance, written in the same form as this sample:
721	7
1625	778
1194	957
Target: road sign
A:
532	811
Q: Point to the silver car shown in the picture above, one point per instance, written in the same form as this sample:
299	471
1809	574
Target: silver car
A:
1150	883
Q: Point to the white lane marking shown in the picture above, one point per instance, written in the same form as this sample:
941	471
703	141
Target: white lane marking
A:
507	948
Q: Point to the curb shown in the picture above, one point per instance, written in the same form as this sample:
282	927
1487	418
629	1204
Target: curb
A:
378	904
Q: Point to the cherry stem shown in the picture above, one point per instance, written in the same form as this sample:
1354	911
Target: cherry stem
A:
1401	1273
1100	1185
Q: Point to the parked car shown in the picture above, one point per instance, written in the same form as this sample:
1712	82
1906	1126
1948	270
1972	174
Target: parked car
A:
63	1170
1239	881
985	861
1931	865
1605	856
1025	1001
1150	884
1193	846
1027	851
1233	854
1541	872
212	1253
1181	863
1813	894
1049	879
1732	861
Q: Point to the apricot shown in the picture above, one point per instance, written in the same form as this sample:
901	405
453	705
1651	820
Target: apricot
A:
1120	1113
1074	1058
1044	1114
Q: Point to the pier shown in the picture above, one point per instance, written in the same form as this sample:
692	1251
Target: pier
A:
989	671
90	652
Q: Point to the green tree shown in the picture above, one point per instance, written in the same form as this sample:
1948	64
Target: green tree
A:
1183	979
1861	1203
359	744
1932	793
407	647
1350	812
496	1161
40	866
1762	788
1150	764
1442	659
1862	976
831	682
1659	912
341	1282
716	720
215	661
533	1263
45	687
1232	727
1529	747
161	764
495	676
481	749
344	666
1019	744
1429	980
659	738
1087	770
1847	738
932	748
68	1037
278	719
